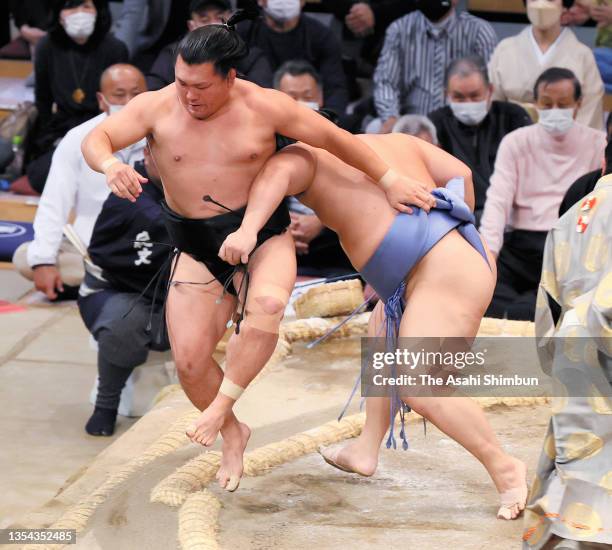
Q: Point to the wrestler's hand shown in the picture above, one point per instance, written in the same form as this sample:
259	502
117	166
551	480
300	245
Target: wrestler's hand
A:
237	246
124	181
404	191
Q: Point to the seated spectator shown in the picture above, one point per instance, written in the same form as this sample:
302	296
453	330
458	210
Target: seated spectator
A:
68	64
300	80
51	262
368	20
147	26
519	60
124	316
255	67
534	168
417	125
585	184
318	248
409	77
283	34
471	126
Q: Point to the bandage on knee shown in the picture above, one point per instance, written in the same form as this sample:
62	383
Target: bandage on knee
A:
265	307
231	390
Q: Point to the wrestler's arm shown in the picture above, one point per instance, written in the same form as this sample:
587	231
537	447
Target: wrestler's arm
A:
288	172
303	124
444	167
127	126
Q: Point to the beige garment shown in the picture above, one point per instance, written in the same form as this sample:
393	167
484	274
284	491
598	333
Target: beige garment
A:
571	496
514	70
69	262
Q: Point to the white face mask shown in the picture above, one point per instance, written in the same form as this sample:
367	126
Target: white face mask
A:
470	113
283	10
543	14
79	25
556	121
112	107
310	104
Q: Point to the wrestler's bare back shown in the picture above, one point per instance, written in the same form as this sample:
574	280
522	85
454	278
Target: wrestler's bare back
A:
219	156
365	215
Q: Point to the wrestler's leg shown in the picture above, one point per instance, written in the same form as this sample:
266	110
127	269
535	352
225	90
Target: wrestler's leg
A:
361	455
272	277
196	323
463	302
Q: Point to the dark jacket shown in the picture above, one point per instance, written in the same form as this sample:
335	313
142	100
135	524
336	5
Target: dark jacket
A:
477	145
579	189
385	12
126	238
61	67
311	41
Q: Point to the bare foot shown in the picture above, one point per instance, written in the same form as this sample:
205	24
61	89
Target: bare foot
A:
352	458
231	469
510	478
206	428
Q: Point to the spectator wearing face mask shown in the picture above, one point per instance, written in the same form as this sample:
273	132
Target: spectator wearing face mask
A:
472	126
535	166
255	67
49	260
518	60
409	76
68	64
318	248
284	33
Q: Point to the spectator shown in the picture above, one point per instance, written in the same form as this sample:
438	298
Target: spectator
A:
368	20
318	248
534	168
518	60
472	125
114	301
146	26
417	125
409	77
284	33
255	67
300	80
52	263
68	64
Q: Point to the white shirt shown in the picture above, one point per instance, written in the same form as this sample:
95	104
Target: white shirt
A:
72	184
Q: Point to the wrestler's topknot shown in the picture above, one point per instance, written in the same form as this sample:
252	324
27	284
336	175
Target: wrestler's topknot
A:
218	44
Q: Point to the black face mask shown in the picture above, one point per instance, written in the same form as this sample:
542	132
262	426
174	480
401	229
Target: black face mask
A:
434	10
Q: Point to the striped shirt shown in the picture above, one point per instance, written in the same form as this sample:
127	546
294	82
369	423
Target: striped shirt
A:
409	76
